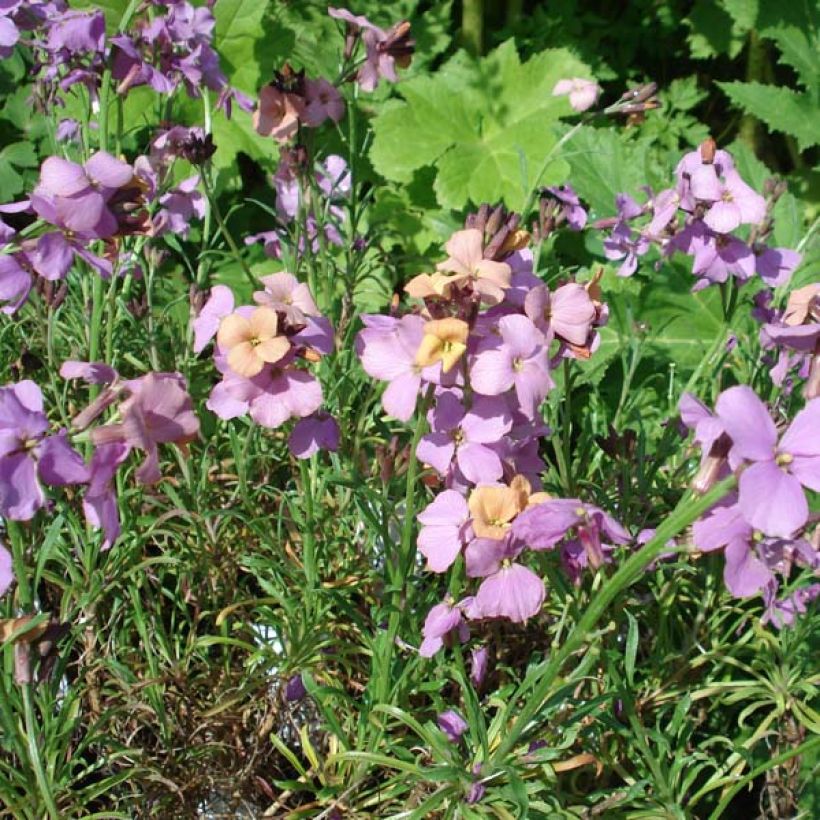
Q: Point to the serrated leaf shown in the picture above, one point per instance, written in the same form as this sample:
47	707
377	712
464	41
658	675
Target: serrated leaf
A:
780	109
743	12
711	31
798	52
486	126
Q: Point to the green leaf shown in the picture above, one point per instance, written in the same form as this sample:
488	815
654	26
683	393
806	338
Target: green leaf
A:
682	326
13	157
712	31
788	220
486	126
243	42
603	165
798	52
780	109
112	9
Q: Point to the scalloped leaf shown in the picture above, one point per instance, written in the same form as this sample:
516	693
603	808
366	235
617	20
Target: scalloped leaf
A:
780	109
486	126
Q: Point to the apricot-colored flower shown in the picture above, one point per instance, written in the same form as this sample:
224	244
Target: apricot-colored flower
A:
800	304
445	341
277	114
251	342
493	509
466	261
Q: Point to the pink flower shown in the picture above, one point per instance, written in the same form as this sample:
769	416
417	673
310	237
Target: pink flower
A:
521	361
157	411
771	494
582	93
568	313
286	294
322	102
6	570
734	203
219	305
444	531
514	592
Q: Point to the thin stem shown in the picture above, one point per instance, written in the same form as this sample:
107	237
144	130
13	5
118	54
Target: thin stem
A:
34	755
18	556
566	431
223	229
309	535
689	508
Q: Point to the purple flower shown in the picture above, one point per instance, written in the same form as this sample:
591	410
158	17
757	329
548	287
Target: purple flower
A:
514	592
179	207
26	453
76	32
734	203
521	361
295	689
776	265
784	612
465	435
317	432
158	410
6	570
771	495
444	530
542	526
452	724
443	621
571	206
100	500
750	559
76	197
384	49
219	305
388	352
479	660
620	244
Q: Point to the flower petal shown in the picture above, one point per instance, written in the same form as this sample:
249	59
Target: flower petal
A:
771	500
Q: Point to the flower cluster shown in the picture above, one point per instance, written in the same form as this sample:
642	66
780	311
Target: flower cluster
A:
700	217
317	197
172	49
795	334
764	527
481	347
151	410
384	50
259	350
292	100
103	199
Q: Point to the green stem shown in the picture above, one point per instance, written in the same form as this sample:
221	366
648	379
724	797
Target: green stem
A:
472	26
689	508
34	755
309	535
223	229
566	431
18	557
405	557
